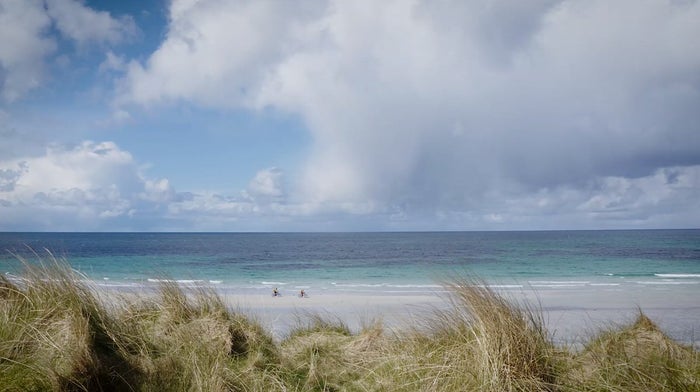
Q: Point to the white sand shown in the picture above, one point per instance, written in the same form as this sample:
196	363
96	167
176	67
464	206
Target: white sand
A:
279	314
571	315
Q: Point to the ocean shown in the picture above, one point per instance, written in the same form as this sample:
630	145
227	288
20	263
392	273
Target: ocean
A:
380	263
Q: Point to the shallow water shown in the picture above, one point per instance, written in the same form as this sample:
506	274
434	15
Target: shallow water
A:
382	262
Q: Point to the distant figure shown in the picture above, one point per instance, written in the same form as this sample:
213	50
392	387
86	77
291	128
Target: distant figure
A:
275	292
302	293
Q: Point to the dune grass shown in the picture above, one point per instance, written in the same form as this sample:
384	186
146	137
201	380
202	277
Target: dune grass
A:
59	333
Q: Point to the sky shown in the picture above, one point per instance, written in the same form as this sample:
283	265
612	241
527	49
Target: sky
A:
325	115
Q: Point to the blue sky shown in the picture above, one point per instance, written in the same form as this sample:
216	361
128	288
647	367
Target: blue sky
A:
217	115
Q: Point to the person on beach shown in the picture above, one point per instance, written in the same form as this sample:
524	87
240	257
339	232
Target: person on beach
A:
275	292
302	293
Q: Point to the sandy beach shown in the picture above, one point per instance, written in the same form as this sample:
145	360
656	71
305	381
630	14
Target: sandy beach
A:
278	314
571	315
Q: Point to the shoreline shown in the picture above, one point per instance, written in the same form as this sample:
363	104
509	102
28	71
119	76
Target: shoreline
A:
571	313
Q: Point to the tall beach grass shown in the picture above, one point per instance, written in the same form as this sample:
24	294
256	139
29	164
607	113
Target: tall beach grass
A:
58	333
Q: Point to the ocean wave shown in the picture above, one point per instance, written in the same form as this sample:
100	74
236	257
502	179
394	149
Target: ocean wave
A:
561	285
630	274
384	291
387	285
117	285
668	282
504	286
273	283
358	284
673	276
14	278
180	281
558	283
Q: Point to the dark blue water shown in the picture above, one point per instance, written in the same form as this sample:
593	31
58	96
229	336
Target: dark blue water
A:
369	261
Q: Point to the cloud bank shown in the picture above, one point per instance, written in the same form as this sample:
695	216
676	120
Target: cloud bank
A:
421	109
87	186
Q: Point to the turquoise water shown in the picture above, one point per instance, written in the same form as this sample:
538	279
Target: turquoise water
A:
376	262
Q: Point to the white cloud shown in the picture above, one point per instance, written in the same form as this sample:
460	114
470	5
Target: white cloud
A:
98	186
85	25
23	46
9	177
75	188
158	191
572	102
671	191
216	52
27	41
267	184
421	109
112	63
